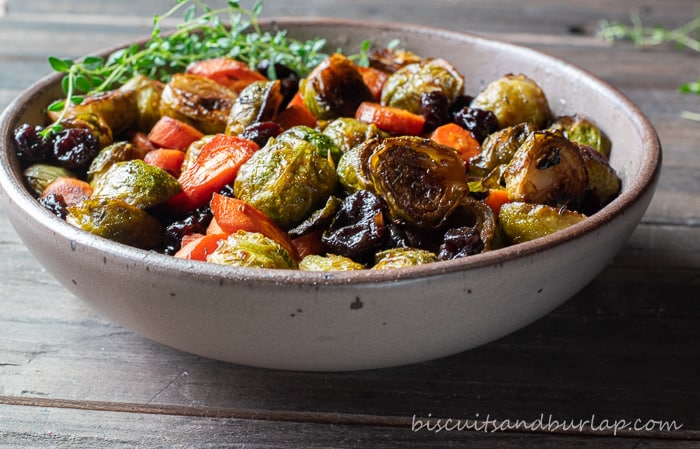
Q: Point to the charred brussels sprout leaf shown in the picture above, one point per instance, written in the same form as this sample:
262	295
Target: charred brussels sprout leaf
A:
421	181
330	262
286	180
498	148
547	169
38	176
522	222
117	220
403	257
251	249
201	102
148	92
137	184
403	89
258	102
515	99
335	88
581	130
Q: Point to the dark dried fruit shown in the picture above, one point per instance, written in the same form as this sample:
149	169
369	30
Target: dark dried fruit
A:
32	147
194	224
261	132
461	242
74	148
435	108
480	122
55	204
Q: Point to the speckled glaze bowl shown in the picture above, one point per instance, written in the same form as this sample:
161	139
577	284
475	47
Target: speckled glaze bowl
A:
357	320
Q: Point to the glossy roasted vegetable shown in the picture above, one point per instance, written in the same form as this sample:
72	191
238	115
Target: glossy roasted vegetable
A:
392	59
547	169
421	181
353	169
498	148
110	155
91	121
522	222
402	257
403	89
330	262
287	179
347	132
116	107
258	102
137	184
324	145
603	182
38	176
473	230
117	220
334	88
581	130
199	101
251	249
147	92
515	99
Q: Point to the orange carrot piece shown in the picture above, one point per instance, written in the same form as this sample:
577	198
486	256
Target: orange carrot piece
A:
172	133
233	215
453	135
229	72
296	115
495	199
214	227
198	246
72	190
390	119
216	165
374	79
168	160
309	244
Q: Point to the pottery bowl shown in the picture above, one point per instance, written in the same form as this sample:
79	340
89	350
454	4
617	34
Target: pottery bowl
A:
352	320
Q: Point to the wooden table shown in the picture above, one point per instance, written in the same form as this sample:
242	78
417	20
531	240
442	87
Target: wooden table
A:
625	350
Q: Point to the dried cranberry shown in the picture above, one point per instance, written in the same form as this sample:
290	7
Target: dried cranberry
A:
194	224
461	242
32	147
480	122
55	204
261	132
435	108
289	80
75	148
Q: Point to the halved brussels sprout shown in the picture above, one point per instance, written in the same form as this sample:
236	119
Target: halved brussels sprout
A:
347	132
521	222
515	99
258	102
581	130
403	89
117	220
251	249
421	181
603	182
403	257
334	88
472	229
286	180
330	262
38	176
498	148
148	92
547	169
116	107
353	168
199	101
110	155
136	183
392	59
323	144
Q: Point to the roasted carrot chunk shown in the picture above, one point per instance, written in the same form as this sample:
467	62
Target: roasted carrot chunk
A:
390	119
168	160
72	190
199	246
229	72
173	133
453	135
495	199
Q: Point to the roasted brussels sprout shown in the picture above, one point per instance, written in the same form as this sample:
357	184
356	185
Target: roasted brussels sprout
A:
403	89
199	101
116	107
515	99
110	155
329	262
335	88
353	169
91	121
136	183
258	102
251	249
319	220
547	169
38	176
581	130
148	92
603	182
498	148
117	220
402	257
521	222
286	180
323	144
421	181
193	150
392	59
472	229
347	132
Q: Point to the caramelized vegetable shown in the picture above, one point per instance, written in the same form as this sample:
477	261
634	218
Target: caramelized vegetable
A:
147	92
581	130
258	102
403	257
329	262
116	107
251	249
522	222
515	99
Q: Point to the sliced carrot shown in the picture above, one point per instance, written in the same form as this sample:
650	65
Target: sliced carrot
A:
495	199
215	166
296	115
390	119
172	133
233	215
309	244
453	135
374	79
214	227
168	160
72	190
198	246
234	74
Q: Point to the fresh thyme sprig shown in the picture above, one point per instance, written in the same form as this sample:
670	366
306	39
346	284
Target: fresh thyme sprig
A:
204	33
